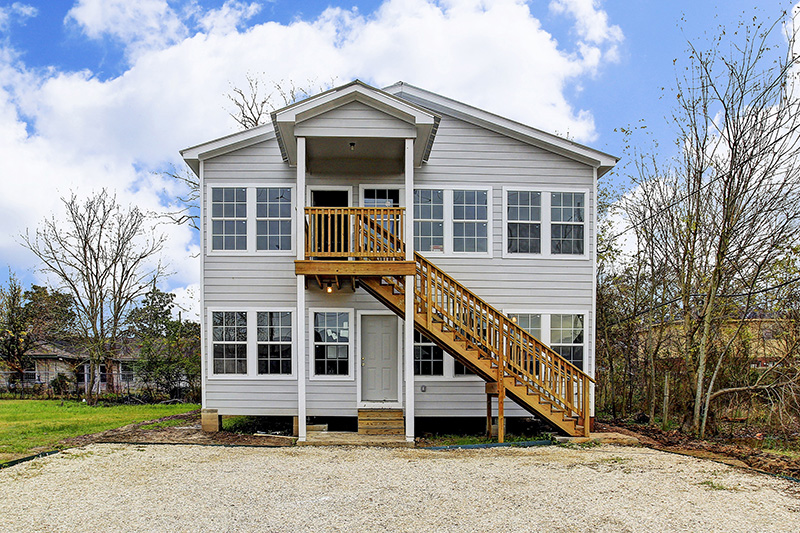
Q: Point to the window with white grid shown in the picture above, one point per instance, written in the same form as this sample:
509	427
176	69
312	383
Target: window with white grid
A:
470	221
567	338
428	358
274	218
229	339
428	220
524	217
228	218
331	343
567	223
274	340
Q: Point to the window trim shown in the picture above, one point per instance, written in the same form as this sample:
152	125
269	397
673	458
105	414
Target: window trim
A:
312	375
448	220
250	189
547	223
252	345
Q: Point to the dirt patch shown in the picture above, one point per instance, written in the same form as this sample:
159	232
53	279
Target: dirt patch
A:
733	454
186	431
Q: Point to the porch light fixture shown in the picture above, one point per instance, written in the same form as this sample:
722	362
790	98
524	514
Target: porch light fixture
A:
514	319
329	289
352	147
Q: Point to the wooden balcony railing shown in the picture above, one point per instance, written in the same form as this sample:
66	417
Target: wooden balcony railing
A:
366	233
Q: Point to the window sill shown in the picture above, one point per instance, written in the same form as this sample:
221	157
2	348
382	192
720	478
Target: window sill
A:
331	378
245	377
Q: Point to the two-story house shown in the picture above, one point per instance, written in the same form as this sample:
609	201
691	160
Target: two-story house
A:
397	251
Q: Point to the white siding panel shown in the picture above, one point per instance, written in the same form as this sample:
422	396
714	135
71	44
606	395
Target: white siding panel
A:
354	120
252	397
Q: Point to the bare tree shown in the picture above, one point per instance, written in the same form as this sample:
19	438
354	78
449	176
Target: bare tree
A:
254	103
252	107
722	214
103	257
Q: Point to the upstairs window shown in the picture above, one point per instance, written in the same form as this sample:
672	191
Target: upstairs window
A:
274	218
524	217
429	220
228	218
470	221
567	223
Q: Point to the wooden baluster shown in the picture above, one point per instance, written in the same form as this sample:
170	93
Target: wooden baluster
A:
501	399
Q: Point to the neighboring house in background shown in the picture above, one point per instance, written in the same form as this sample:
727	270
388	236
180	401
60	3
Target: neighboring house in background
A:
314	226
50	360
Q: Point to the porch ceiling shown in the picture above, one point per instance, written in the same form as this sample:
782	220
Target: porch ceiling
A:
334	155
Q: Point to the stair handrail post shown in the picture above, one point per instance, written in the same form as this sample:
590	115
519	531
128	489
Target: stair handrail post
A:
585	407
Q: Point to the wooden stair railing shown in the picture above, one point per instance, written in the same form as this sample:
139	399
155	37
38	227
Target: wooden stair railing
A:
492	345
460	322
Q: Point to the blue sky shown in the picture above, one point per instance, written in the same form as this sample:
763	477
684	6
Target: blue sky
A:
103	93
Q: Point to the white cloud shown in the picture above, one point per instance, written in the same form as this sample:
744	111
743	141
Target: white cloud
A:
64	131
18	12
591	25
141	25
229	17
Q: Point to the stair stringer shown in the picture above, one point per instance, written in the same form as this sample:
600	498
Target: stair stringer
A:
475	358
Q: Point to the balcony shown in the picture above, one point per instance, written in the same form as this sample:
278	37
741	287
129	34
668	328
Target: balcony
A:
353	242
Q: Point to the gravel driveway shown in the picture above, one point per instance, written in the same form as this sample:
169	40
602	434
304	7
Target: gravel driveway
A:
114	487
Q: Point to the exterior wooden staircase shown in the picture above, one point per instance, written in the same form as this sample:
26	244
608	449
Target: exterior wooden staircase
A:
457	320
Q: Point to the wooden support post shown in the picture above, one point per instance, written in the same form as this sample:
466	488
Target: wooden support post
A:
501	400
488	415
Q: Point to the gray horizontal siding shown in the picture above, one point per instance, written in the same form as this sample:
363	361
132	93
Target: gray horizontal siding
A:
457	397
354	120
252	397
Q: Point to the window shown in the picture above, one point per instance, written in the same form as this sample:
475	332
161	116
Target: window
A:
229	337
524	216
428	220
470	221
532	323
381	197
229	218
428	358
566	337
460	370
126	372
274	218
332	344
567	223
274	338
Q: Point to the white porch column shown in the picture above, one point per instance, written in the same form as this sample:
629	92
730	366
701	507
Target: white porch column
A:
300	342
408	333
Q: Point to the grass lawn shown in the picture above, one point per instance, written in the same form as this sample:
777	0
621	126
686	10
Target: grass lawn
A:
32	426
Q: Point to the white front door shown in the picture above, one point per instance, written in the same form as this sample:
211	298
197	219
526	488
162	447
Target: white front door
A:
379	351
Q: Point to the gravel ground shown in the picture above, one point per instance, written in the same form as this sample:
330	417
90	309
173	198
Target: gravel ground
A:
115	487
